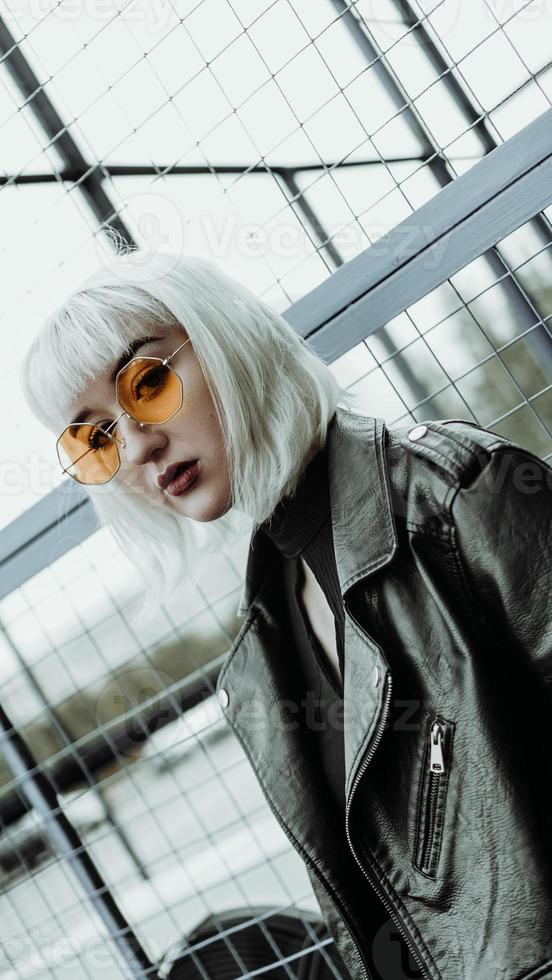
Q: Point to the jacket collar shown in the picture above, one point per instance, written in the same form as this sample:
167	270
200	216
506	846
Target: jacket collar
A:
364	532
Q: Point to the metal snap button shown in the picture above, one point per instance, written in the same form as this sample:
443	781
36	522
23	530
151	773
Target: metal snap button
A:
376	675
417	432
223	697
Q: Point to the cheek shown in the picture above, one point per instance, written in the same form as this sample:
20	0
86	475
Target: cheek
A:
131	477
197	397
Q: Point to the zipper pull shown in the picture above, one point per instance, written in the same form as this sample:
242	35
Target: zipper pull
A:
436	760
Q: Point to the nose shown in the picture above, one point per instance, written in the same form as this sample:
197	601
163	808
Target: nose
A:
141	440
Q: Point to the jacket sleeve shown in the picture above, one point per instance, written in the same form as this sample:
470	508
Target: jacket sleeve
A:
502	528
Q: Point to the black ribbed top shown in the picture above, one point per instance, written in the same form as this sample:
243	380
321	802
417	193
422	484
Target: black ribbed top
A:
300	526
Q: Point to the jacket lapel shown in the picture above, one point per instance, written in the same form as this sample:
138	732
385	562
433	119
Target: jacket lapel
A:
364	531
365	540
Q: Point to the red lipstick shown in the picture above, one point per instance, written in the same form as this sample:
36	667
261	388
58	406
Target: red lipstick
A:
179	477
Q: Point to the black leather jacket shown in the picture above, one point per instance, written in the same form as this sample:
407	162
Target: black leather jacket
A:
442	535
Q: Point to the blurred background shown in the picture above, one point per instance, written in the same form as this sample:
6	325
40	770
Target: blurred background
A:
283	139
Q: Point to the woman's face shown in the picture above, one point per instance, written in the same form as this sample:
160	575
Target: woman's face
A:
193	433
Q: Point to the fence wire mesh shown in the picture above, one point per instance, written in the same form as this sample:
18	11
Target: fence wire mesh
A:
281	139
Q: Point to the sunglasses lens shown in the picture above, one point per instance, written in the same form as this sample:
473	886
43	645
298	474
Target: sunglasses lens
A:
148	390
87	453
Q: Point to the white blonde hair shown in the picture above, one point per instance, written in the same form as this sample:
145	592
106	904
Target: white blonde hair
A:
274	396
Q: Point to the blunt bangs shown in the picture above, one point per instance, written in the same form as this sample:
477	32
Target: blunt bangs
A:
80	340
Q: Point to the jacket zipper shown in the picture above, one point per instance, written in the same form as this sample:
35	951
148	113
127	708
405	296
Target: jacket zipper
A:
373	881
436	769
433	795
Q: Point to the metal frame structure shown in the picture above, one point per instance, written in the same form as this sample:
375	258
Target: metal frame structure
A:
437	163
497	195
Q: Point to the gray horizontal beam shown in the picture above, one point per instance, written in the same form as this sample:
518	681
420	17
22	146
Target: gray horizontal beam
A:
498	194
430	267
47	511
54	525
451	206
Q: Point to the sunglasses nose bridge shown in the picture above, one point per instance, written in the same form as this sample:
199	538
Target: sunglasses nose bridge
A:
118	439
141	426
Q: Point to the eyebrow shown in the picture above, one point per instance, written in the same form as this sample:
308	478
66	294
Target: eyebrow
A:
127	354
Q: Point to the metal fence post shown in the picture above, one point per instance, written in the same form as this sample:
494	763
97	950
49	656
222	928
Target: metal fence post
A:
42	797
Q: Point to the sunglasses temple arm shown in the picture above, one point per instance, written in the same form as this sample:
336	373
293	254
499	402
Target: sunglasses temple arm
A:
65	469
110	426
174	353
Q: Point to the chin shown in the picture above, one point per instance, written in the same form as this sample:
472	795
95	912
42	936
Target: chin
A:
200	508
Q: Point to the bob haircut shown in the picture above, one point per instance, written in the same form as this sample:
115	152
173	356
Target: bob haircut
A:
272	393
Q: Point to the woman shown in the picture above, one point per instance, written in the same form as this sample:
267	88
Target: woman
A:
390	682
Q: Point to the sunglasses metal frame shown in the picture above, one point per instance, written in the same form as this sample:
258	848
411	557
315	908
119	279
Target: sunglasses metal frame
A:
165	362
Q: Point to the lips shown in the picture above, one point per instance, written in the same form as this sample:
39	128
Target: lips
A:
172	471
184	480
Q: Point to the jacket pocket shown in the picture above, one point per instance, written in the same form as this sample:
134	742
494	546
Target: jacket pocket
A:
432	797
